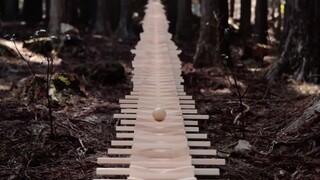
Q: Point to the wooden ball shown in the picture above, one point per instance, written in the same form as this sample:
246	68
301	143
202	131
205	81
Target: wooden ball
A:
159	114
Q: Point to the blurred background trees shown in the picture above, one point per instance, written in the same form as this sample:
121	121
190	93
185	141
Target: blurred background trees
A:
213	26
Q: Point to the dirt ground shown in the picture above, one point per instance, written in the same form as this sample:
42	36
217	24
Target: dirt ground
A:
84	126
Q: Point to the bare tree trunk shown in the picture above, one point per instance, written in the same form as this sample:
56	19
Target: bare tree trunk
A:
232	3
245	23
72	17
279	26
183	26
10	10
124	29
306	121
223	31
301	51
261	22
102	24
88	12
56	15
206	51
172	15
32	11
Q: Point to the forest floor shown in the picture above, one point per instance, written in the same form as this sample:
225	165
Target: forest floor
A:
84	127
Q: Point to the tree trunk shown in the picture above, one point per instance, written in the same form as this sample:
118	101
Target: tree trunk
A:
88	12
183	26
10	10
245	23
301	52
223	31
306	121
124	30
232	2
102	24
172	15
56	15
47	10
72	17
206	51
32	11
261	22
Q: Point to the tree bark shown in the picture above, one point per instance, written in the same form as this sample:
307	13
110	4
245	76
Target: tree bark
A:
206	51
10	10
183	27
306	121
102	24
88	12
232	3
245	23
32	11
56	15
72	17
224	31
124	30
261	22
301	50
172	15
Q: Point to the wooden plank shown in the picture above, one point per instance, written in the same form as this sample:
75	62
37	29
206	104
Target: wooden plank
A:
206	161
207	172
125	171
132	128
133	122
189	136
112	171
151	99
134	111
199	152
198	117
195	161
190	143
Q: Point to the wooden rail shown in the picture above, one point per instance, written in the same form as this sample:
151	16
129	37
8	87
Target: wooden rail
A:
146	149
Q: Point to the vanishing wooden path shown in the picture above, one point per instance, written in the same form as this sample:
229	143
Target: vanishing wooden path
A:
146	149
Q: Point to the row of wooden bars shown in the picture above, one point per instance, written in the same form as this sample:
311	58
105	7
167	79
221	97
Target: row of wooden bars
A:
146	149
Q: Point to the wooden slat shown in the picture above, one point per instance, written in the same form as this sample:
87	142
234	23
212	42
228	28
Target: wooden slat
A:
133	122
200	152
131	128
190	143
125	171
189	136
195	161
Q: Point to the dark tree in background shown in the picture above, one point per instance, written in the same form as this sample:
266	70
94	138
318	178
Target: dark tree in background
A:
261	22
56	16
184	22
32	11
102	24
172	15
10	10
301	46
224	44
88	12
231	12
124	30
72	7
245	24
206	51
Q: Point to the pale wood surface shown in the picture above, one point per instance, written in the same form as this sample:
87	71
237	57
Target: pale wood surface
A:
159	150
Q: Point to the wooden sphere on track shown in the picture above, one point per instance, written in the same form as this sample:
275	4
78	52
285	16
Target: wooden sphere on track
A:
159	114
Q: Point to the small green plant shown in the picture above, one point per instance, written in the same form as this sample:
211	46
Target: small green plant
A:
42	43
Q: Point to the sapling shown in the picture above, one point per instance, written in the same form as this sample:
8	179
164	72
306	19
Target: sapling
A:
43	42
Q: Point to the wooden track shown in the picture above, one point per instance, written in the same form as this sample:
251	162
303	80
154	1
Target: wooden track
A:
146	149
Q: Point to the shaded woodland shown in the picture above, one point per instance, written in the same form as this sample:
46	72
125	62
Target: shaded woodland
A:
252	66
